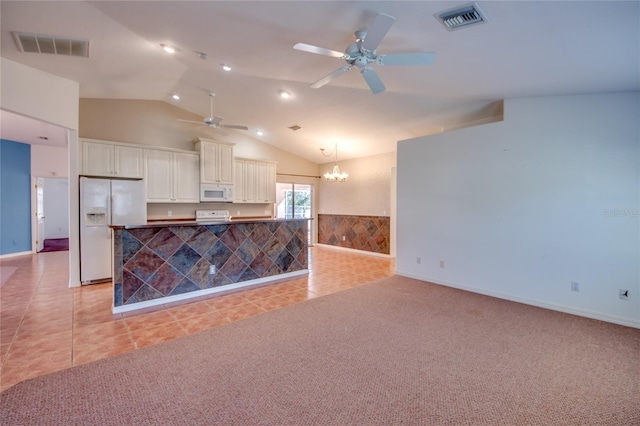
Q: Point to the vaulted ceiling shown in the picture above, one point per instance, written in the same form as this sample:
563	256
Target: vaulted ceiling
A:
525	49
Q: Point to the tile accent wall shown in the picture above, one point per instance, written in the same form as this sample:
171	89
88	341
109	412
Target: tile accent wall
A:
368	233
156	262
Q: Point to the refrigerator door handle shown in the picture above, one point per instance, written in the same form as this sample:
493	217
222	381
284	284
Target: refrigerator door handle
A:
109	209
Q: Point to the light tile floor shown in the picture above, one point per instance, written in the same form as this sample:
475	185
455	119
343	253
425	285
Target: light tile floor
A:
46	326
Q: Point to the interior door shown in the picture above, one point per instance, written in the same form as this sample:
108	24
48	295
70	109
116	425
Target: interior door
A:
39	214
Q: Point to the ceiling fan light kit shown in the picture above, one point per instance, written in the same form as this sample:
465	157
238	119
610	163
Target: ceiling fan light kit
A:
362	54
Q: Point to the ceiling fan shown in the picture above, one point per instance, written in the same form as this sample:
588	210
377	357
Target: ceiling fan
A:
215	122
363	52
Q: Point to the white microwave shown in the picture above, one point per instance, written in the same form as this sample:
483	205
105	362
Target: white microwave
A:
214	193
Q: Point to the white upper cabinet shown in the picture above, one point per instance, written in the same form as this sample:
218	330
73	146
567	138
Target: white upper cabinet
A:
106	159
265	182
216	161
172	177
255	182
187	177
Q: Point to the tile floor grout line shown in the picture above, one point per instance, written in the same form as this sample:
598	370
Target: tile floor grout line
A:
324	278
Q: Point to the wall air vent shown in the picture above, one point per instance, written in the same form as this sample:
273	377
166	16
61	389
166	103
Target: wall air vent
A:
461	17
295	127
36	43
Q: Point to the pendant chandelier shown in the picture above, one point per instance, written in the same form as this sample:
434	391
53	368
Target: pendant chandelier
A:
335	175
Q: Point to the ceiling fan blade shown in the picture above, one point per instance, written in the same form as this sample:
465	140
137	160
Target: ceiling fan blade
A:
371	77
324	80
233	126
377	30
418	58
319	50
191	121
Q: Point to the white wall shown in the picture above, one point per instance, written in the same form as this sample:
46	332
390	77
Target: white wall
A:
56	208
49	161
40	95
33	93
367	191
521	208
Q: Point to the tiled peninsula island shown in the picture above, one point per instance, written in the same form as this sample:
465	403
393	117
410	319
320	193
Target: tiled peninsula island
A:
160	263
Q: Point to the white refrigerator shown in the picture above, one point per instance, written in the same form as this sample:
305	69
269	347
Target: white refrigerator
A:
105	202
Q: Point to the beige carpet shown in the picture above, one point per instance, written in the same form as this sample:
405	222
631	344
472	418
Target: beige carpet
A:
397	351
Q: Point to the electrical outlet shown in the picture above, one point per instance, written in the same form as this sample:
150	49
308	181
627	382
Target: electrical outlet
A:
418	260
575	286
169	213
212	269
442	264
344	238
624	294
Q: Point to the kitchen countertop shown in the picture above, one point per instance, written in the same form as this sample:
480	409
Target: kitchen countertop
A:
193	222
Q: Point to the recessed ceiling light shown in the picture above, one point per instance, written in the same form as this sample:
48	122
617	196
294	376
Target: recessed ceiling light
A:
259	132
284	94
168	48
175	96
225	67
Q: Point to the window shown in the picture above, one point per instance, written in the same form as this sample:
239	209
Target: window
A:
293	201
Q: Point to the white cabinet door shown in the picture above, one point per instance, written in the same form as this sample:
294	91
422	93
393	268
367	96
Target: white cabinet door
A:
111	160
216	162
128	162
239	182
97	159
250	182
261	182
209	159
271	183
187	178
245	184
255	182
159	176
226	163
172	177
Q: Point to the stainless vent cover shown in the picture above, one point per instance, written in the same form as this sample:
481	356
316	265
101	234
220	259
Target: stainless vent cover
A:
37	43
295	127
461	17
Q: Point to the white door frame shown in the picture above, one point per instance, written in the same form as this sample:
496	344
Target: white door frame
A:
37	213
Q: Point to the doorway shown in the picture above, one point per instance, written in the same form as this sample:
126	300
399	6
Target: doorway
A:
52	213
294	201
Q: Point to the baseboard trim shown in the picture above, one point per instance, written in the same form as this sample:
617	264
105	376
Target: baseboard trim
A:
533	302
208	291
350	250
22	253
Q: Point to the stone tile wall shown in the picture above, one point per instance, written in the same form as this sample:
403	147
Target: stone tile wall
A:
368	233
156	262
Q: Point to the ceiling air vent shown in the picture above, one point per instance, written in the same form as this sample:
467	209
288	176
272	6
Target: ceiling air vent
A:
295	127
461	17
36	43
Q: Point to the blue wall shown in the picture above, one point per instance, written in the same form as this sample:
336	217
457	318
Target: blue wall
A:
15	197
